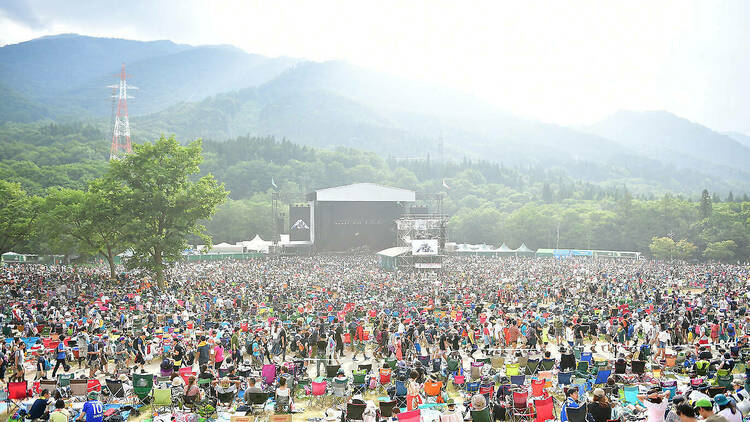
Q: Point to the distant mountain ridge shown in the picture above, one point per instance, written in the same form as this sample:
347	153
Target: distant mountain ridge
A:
221	92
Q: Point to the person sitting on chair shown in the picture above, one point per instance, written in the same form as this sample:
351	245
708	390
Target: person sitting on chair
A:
39	408
571	402
283	397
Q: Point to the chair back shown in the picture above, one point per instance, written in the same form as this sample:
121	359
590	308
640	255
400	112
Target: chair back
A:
459	380
563	378
537	388
531	366
115	388
256	398
620	367
433	388
18	390
49	385
481	415
332	370
386	408
497	362
359	377
588	357
548	364
385	376
78	388
319	388
520	400
576	414
413	416
354	411
93	385
511	369
162	397
518	379
401	388
638	366
545	409
472	387
268	373
365	367
63	380
602	376
631	394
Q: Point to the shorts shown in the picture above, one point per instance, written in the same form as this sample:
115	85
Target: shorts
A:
662	344
217	365
94	364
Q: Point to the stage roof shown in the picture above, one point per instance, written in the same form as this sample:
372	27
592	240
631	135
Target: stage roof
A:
362	192
395	251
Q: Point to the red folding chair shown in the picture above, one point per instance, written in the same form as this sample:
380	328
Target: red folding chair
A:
538	388
545	409
17	392
521	408
93	385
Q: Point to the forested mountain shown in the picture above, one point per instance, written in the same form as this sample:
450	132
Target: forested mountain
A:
220	93
70	73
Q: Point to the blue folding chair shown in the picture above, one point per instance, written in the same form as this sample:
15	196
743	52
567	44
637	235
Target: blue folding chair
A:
563	378
518	379
602	376
588	357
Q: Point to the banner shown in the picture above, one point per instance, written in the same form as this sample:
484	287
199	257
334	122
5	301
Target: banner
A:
424	247
299	221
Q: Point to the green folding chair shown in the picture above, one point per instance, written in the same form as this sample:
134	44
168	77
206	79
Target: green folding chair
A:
162	400
142	386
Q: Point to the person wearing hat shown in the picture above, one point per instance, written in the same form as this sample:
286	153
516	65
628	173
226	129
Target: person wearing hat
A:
93	410
600	409
727	408
706	411
450	414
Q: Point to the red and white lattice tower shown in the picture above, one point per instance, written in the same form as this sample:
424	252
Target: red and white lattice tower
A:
121	131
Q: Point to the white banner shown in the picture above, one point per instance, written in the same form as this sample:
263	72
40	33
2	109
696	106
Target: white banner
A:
424	247
435	265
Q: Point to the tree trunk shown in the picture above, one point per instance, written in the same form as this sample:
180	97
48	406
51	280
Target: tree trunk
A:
160	281
110	256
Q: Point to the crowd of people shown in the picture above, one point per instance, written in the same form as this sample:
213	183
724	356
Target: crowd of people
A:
223	317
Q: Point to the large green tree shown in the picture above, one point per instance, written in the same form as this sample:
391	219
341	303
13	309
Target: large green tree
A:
95	220
164	202
18	212
720	251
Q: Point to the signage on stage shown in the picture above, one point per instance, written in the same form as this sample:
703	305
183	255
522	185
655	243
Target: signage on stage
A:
299	221
424	247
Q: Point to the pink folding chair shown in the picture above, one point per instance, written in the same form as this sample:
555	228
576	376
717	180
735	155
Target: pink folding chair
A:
413	416
268	373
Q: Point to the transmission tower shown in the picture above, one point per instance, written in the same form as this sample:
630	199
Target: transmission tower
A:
121	131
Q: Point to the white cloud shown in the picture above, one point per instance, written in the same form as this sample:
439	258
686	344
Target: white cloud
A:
567	62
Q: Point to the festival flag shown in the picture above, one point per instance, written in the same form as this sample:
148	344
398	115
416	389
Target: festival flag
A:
273	184
445	185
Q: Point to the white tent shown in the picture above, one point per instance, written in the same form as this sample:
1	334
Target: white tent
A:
257	244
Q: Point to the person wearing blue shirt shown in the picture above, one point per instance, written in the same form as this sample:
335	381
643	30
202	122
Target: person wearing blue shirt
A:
571	402
93	410
60	356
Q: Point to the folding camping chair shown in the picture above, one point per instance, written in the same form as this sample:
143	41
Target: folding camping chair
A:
116	388
79	389
386	408
432	390
537	388
638	367
17	393
481	415
257	401
602	376
49	385
577	414
531	366
521	409
318	392
332	371
670	386
511	369
545	409
563	378
162	400
631	394
354	411
142	386
359	381
268	373
497	362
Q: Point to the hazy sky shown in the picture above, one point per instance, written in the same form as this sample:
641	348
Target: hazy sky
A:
565	62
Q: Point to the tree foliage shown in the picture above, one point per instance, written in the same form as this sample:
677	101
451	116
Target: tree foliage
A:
18	213
165	205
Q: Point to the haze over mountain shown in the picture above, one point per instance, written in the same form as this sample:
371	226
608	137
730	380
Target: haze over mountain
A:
220	92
